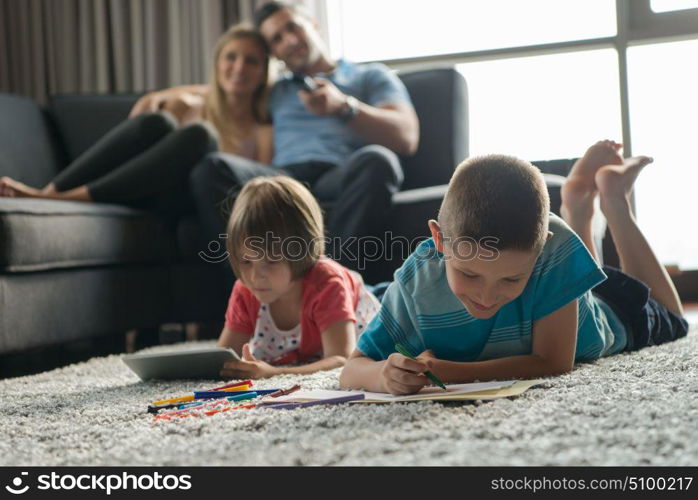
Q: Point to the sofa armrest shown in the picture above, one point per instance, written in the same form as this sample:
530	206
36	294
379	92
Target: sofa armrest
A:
414	207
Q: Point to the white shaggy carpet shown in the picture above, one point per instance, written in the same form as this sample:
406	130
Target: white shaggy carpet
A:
631	409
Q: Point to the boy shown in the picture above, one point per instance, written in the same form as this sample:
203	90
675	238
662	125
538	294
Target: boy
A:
503	289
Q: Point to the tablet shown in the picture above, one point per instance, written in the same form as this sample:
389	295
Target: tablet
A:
205	363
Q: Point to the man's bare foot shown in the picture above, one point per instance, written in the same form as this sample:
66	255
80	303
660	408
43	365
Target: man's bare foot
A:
15	189
599	155
615	182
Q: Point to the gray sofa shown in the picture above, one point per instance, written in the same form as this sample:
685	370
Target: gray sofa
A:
72	270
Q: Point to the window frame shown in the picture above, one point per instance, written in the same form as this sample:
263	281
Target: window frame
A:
636	24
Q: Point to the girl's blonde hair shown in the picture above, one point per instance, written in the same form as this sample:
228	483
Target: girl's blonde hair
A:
276	218
216	109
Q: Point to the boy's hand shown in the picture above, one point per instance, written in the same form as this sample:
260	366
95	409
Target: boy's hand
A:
249	367
427	356
401	375
326	100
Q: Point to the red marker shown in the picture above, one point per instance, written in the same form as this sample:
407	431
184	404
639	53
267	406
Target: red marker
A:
285	391
234	384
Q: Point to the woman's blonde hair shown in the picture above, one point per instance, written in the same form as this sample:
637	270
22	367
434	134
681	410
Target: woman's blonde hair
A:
276	218
216	109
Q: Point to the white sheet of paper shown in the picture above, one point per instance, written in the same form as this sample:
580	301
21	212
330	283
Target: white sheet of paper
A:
425	393
451	390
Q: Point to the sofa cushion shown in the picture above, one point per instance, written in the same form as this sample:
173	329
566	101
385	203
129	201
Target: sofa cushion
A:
27	149
52	307
440	98
81	120
37	235
190	241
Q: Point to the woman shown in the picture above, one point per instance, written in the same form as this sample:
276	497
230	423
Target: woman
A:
146	160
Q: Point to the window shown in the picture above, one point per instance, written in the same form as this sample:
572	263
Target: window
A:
670	5
543	107
547	78
392	29
663	109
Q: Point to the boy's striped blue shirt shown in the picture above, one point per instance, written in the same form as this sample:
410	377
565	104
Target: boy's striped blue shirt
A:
420	311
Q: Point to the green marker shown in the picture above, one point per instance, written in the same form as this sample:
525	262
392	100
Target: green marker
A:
401	349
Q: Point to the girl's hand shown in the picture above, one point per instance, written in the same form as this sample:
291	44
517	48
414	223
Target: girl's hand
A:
249	367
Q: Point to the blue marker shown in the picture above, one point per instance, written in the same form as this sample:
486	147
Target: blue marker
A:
224	394
236	397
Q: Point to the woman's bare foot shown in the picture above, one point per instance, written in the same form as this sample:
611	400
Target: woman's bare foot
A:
15	189
615	182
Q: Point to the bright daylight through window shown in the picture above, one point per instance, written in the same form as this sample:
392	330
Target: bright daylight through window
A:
551	106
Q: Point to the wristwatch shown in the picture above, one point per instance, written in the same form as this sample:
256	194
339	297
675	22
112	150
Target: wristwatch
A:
350	109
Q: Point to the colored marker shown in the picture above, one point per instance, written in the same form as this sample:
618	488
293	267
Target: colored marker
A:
236	397
248	383
185	412
284	392
401	349
245	385
222	394
228	408
305	404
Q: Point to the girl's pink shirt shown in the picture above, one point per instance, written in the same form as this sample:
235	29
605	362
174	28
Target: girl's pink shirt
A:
330	294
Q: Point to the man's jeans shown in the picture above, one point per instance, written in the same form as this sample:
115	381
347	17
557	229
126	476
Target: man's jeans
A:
360	190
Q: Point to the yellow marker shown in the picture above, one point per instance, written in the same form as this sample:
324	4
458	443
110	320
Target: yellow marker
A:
237	388
181	399
190	397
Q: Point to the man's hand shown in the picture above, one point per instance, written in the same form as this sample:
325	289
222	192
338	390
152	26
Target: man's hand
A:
326	100
248	368
401	375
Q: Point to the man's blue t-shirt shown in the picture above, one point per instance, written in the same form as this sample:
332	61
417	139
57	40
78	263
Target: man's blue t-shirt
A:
420	311
300	136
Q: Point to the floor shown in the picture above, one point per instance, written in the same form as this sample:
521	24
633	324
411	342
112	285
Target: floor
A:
691	312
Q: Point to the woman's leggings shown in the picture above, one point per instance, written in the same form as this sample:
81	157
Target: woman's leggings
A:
143	162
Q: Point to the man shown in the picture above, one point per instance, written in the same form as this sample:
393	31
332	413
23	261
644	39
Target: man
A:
341	138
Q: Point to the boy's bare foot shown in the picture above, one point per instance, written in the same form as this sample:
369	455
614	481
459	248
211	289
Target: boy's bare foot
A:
15	189
599	155
615	182
580	189
577	201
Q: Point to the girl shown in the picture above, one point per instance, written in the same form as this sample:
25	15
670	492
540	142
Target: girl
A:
291	304
146	160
